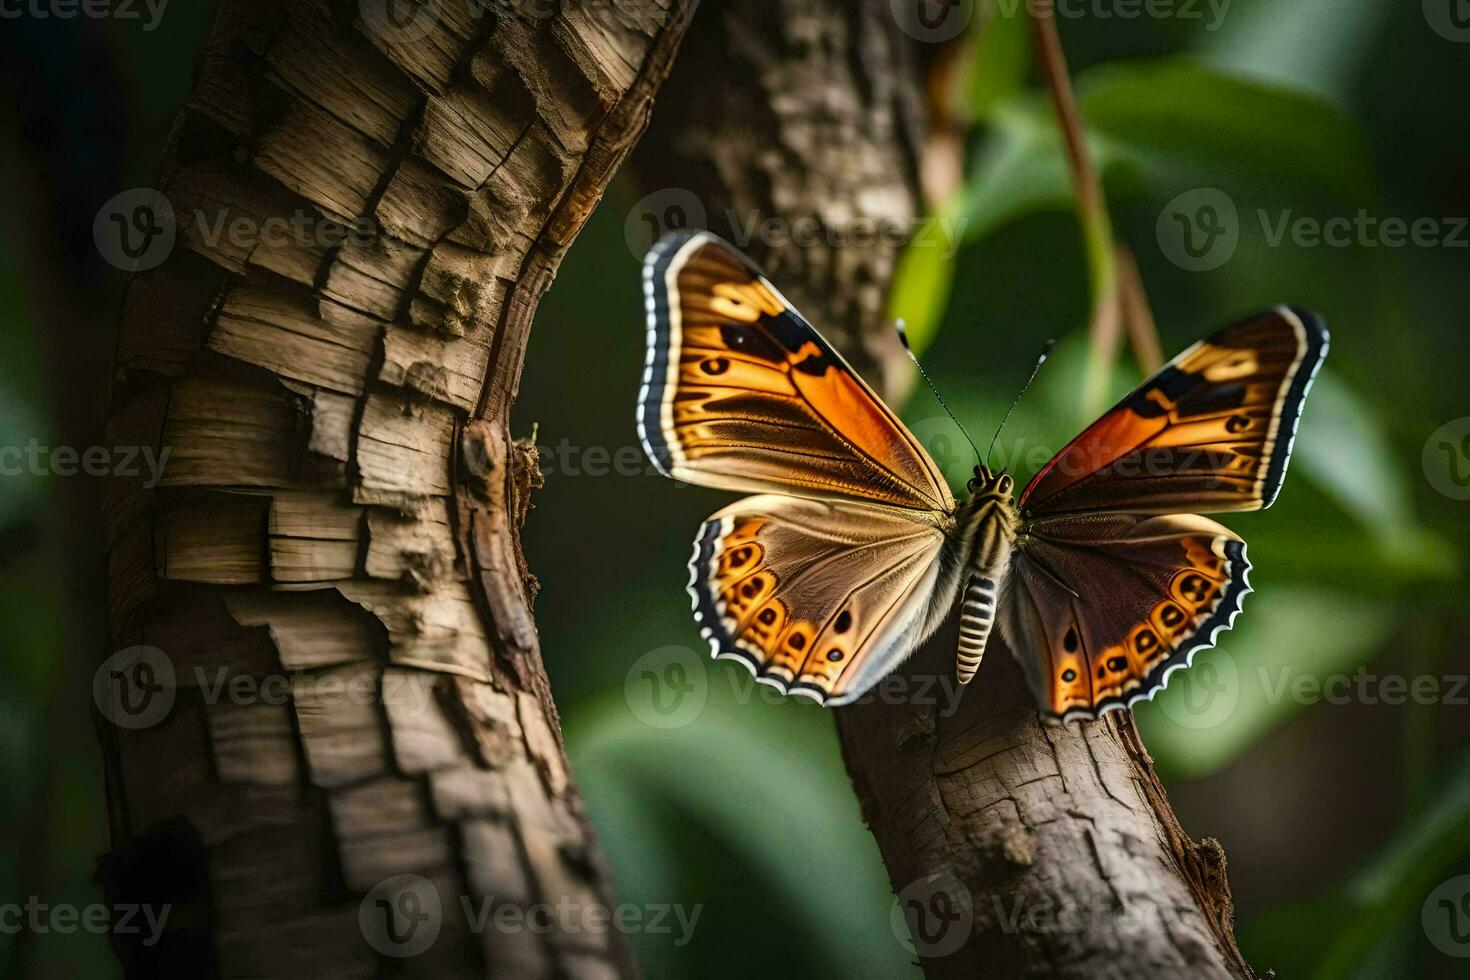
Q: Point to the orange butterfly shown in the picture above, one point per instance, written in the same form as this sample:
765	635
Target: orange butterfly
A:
854	551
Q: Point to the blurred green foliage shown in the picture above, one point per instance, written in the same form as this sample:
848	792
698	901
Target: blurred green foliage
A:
1338	819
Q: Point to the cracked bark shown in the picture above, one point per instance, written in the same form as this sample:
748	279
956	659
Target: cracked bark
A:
1056	849
338	518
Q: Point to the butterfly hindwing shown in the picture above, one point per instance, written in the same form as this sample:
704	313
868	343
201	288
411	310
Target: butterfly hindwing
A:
819	598
1210	432
741	393
1105	607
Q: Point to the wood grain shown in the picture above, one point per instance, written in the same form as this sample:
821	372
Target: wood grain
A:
319	537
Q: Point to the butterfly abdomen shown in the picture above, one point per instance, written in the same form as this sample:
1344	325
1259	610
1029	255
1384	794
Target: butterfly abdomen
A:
977	613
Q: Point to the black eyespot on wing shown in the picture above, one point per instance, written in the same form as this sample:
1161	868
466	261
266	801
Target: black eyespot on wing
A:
747	339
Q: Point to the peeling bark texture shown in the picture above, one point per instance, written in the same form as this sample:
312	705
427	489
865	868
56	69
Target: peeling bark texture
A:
814	139
330	564
1016	849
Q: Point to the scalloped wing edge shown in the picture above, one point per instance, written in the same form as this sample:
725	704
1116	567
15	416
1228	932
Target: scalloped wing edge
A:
1221	618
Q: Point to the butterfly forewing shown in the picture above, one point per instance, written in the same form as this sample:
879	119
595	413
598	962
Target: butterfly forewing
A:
741	393
1210	432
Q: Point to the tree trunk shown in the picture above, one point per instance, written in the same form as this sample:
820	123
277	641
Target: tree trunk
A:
331	715
1016	849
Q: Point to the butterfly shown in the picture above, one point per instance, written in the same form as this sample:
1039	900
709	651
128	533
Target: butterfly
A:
1101	576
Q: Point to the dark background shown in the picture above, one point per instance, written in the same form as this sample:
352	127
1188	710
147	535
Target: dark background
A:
1346	820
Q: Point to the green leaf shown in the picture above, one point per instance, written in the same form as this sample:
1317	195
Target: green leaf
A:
1383	897
1180	109
1169	122
1317	46
1346	452
924	276
737	779
1022	168
1001	61
1348	455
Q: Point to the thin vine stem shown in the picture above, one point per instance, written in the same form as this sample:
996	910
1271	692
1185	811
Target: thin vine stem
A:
1117	290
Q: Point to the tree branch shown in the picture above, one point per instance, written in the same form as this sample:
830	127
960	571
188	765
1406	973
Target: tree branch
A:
344	724
1018	849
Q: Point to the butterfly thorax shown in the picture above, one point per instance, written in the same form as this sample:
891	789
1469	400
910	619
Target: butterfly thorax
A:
986	523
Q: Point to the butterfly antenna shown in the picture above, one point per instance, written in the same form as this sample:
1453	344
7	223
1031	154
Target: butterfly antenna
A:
903	337
1045	351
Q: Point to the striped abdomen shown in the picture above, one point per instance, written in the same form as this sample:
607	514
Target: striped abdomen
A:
977	612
